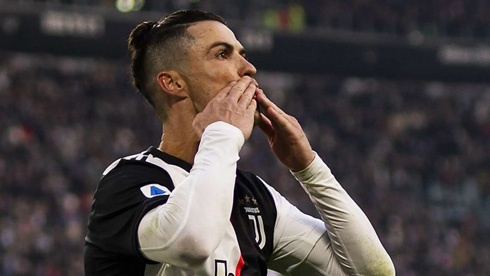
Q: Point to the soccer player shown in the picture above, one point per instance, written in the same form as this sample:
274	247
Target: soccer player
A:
184	208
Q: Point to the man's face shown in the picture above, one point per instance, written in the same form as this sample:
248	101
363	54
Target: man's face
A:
214	60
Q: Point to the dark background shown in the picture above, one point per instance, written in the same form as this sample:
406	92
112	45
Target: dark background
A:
394	95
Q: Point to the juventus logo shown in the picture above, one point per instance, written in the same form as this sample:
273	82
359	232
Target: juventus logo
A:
258	224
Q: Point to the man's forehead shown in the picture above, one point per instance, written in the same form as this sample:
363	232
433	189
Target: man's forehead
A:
208	32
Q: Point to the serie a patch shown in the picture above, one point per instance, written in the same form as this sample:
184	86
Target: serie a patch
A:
153	190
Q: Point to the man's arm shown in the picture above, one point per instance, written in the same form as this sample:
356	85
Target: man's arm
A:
190	226
345	243
350	243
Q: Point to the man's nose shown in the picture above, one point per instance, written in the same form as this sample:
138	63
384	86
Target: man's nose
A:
246	68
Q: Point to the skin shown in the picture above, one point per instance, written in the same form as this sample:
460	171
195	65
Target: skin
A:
218	85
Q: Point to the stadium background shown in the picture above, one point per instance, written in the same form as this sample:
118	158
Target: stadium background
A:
395	95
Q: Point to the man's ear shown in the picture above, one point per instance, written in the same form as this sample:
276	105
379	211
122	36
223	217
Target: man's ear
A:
172	83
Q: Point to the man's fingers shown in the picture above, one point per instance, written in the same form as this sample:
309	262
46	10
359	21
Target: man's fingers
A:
273	112
266	126
235	89
238	89
252	107
225	91
248	95
278	119
265	102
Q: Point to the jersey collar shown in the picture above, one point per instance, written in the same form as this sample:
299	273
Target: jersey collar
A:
170	158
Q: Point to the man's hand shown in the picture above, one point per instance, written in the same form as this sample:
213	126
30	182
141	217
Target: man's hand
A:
285	135
234	104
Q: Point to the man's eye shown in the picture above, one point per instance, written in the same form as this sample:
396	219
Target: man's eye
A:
221	54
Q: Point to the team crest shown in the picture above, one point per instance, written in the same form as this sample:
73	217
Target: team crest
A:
250	205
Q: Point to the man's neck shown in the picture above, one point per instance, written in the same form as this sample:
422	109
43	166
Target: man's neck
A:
179	140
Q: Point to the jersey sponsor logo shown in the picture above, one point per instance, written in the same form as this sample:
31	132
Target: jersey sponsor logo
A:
153	190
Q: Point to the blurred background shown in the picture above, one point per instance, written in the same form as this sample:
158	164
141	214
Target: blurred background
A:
394	95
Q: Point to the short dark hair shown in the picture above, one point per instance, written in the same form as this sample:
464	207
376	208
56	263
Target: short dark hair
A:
154	46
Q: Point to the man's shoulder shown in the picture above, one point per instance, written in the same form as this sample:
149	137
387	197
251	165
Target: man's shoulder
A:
150	161
135	171
140	160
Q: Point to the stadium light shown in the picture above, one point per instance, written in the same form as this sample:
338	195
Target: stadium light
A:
129	5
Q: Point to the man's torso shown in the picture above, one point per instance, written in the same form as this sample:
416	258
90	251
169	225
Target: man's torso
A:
244	250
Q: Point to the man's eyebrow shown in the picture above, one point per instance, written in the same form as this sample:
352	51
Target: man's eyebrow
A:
228	47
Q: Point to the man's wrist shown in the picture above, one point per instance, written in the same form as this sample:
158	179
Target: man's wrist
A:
305	163
316	166
229	129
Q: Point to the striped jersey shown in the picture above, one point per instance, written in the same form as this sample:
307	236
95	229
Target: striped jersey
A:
134	185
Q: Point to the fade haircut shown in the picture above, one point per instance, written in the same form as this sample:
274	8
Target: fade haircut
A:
162	45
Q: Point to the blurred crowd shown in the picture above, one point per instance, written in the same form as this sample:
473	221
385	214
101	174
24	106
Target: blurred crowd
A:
414	155
416	18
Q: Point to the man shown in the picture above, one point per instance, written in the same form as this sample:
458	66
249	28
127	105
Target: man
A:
183	208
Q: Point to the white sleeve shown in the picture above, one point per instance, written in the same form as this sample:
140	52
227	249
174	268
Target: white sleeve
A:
188	228
344	243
